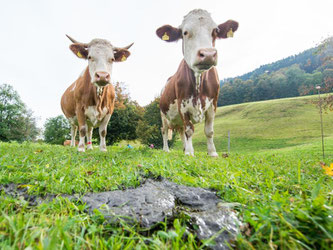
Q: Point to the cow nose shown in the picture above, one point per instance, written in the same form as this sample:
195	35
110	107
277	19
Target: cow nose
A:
208	55
102	76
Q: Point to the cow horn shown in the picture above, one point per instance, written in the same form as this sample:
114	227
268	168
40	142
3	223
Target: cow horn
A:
127	47
74	41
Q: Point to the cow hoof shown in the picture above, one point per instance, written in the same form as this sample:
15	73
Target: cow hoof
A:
214	154
89	147
103	149
189	153
81	149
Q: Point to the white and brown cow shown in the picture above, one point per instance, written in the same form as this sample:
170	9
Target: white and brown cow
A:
88	103
191	94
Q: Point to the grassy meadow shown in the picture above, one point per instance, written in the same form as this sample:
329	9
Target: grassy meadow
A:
271	124
274	173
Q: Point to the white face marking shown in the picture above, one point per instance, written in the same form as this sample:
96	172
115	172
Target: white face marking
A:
93	116
197	28
100	58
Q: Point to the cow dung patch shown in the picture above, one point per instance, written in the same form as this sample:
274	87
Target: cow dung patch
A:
159	200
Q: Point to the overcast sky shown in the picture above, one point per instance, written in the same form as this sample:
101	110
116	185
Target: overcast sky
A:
36	61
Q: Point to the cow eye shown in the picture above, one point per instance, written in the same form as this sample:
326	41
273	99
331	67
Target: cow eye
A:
185	33
89	57
111	60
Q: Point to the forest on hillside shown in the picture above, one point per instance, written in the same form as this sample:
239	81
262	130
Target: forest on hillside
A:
293	76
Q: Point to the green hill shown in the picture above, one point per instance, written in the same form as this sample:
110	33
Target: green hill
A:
290	77
272	124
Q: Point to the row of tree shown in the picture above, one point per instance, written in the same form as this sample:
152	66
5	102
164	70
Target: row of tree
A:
17	122
293	76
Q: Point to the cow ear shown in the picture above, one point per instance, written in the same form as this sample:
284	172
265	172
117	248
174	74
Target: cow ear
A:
168	33
227	29
79	50
121	55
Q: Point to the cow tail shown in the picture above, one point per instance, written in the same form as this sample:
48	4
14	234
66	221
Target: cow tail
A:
169	134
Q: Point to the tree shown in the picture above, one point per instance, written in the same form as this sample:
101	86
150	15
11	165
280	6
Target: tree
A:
149	128
16	120
123	123
56	130
325	51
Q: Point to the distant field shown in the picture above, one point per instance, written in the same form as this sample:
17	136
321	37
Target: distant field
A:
272	124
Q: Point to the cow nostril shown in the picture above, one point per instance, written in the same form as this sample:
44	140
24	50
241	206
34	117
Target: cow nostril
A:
201	55
97	75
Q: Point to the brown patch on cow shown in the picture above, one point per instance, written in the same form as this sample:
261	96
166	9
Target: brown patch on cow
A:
181	86
121	55
79	50
82	94
83	131
224	28
169	33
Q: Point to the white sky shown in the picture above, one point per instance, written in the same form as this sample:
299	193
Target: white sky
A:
36	61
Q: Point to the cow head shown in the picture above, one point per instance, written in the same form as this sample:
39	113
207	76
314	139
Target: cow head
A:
199	32
100	55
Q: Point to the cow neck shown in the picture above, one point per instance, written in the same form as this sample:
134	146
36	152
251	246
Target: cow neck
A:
100	98
99	93
194	78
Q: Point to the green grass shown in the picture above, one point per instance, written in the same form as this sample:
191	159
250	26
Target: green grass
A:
286	198
265	125
274	172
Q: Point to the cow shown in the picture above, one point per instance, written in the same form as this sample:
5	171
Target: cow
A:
89	102
191	94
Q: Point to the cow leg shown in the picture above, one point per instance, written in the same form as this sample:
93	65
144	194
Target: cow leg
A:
89	138
183	138
209	131
164	130
82	129
73	135
102	132
189	130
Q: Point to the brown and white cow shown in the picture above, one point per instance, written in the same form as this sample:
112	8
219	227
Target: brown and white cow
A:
88	103
191	94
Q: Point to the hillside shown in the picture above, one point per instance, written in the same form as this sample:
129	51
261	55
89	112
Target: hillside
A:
272	124
294	76
307	60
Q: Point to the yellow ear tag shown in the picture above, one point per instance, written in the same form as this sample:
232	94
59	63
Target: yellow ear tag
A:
79	54
165	37
230	33
123	58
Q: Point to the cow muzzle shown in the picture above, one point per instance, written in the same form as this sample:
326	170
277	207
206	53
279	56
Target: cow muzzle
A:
206	58
102	78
